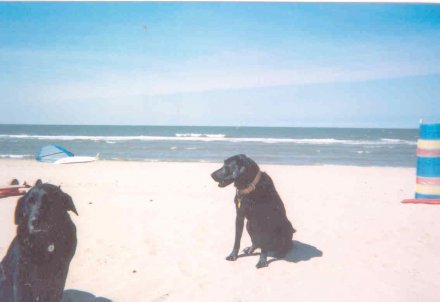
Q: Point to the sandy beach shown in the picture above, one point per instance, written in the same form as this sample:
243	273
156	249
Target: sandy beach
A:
159	231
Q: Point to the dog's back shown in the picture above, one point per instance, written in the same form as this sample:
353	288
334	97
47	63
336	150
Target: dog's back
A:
269	214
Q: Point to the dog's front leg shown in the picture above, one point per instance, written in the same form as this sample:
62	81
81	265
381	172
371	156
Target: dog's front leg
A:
239	223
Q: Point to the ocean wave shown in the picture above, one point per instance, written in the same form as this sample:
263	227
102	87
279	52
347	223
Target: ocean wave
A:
16	156
363	152
199	135
397	141
212	137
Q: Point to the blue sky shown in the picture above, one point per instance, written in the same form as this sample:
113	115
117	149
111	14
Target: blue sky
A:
250	64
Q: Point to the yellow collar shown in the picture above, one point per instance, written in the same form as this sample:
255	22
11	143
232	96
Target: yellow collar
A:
251	186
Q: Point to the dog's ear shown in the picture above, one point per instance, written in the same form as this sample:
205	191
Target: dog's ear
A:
68	203
19	210
244	160
38	183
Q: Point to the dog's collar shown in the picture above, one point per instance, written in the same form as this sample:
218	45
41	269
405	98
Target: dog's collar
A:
251	186
51	248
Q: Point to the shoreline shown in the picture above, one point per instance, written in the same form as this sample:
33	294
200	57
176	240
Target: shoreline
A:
219	162
285	146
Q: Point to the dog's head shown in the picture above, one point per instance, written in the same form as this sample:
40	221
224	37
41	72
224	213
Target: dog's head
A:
40	208
238	169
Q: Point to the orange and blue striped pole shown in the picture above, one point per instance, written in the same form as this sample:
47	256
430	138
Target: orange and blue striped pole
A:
428	165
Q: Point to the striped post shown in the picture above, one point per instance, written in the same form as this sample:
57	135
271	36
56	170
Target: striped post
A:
428	165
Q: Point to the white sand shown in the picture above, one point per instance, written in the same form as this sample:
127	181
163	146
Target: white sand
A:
161	232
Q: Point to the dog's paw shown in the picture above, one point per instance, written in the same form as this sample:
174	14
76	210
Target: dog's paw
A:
262	263
232	257
249	250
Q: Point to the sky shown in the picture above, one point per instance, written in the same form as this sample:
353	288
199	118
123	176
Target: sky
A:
223	64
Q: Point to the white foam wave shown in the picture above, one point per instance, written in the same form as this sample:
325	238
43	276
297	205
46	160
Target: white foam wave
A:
199	135
16	155
362	152
397	141
211	137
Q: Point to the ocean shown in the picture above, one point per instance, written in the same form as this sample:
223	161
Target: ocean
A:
267	145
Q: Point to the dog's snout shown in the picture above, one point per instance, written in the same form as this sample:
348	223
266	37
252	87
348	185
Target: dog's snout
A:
217	175
34	224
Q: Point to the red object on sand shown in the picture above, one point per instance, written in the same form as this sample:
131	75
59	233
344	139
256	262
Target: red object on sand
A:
6	192
13	190
425	201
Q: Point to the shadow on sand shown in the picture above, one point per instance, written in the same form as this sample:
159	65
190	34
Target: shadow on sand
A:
73	295
299	252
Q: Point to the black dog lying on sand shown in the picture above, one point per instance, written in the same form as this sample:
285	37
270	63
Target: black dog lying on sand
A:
258	201
36	264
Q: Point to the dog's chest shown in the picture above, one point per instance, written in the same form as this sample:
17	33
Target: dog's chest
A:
245	204
255	208
44	250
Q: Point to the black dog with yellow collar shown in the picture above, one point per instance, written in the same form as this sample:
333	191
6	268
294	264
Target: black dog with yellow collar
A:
258	201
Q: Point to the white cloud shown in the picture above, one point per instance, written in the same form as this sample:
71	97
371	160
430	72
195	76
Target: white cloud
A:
117	76
192	81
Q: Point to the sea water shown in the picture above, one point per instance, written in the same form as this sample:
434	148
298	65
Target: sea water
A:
269	145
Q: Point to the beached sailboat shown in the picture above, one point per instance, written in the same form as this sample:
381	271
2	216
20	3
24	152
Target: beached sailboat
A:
58	155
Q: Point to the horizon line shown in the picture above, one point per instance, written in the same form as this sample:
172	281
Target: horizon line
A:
212	126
